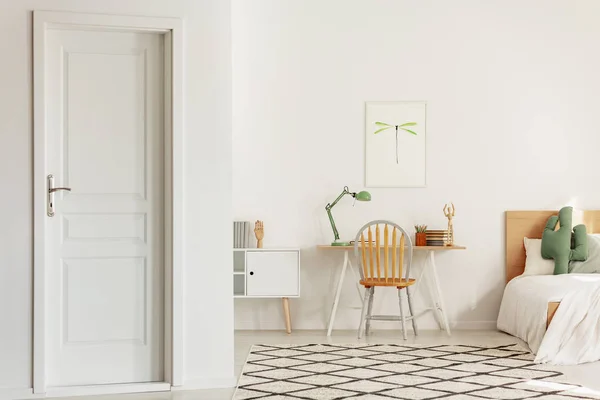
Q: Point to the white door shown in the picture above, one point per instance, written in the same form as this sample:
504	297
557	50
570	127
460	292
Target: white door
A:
104	244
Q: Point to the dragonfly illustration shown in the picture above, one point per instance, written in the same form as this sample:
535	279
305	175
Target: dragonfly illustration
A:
383	127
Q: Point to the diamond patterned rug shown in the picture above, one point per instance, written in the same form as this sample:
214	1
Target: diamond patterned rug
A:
407	371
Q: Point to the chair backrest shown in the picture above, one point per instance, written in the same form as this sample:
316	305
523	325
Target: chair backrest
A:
396	246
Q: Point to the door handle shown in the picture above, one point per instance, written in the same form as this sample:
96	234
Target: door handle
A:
57	189
50	195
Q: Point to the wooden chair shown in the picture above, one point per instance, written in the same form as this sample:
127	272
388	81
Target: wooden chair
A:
391	270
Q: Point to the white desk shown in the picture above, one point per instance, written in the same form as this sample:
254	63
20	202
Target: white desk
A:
427	273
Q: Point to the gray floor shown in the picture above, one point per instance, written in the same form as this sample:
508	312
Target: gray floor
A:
586	374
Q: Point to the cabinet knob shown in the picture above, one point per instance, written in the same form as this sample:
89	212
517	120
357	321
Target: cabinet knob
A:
251	272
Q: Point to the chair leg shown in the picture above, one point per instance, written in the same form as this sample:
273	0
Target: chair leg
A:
363	313
402	318
410	309
369	312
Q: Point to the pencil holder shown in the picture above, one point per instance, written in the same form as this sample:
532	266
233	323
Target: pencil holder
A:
420	239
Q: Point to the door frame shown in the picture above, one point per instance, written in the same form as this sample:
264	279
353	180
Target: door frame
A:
172	29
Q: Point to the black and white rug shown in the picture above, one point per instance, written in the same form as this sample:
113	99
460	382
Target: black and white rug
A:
409	372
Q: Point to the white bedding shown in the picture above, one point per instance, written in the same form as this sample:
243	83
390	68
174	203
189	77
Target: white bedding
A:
570	338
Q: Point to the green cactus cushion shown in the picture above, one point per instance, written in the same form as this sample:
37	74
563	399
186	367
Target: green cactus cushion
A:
565	244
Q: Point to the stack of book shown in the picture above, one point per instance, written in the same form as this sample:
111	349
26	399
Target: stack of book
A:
436	237
241	234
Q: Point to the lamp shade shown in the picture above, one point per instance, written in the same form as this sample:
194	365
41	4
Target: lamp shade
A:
363	196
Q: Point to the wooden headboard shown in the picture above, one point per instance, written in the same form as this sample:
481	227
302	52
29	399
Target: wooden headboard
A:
520	224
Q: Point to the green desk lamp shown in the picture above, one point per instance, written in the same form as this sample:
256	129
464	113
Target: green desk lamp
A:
360	196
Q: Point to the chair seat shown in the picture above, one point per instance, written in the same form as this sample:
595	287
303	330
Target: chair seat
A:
371	282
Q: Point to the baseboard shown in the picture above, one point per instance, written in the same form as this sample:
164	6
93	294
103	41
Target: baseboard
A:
16	393
68	391
473	325
459	325
92	390
218	382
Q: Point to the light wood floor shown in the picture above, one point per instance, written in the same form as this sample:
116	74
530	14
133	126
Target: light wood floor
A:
586	374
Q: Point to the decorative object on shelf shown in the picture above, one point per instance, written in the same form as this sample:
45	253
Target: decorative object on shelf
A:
420	235
449	213
241	234
360	196
436	237
384	152
259	232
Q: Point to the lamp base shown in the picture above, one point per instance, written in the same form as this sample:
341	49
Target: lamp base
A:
339	243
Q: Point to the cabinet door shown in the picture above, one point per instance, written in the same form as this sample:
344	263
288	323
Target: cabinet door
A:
272	273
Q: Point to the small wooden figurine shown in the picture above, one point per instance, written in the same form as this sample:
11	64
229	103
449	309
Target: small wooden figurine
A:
449	213
259	233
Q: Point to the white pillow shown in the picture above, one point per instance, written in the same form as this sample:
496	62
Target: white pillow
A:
592	264
534	263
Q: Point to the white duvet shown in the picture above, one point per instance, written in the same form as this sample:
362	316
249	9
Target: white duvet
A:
573	337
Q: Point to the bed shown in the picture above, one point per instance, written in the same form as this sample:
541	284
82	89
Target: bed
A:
520	224
531	302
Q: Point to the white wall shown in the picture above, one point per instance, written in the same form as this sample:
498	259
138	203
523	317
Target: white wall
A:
208	347
512	90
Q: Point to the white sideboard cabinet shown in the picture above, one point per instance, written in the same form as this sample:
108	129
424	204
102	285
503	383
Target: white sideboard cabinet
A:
267	273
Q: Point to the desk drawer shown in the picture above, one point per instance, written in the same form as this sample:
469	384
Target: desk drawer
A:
273	273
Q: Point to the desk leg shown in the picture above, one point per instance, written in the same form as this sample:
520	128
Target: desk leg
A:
425	278
286	313
359	288
438	298
337	293
422	274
